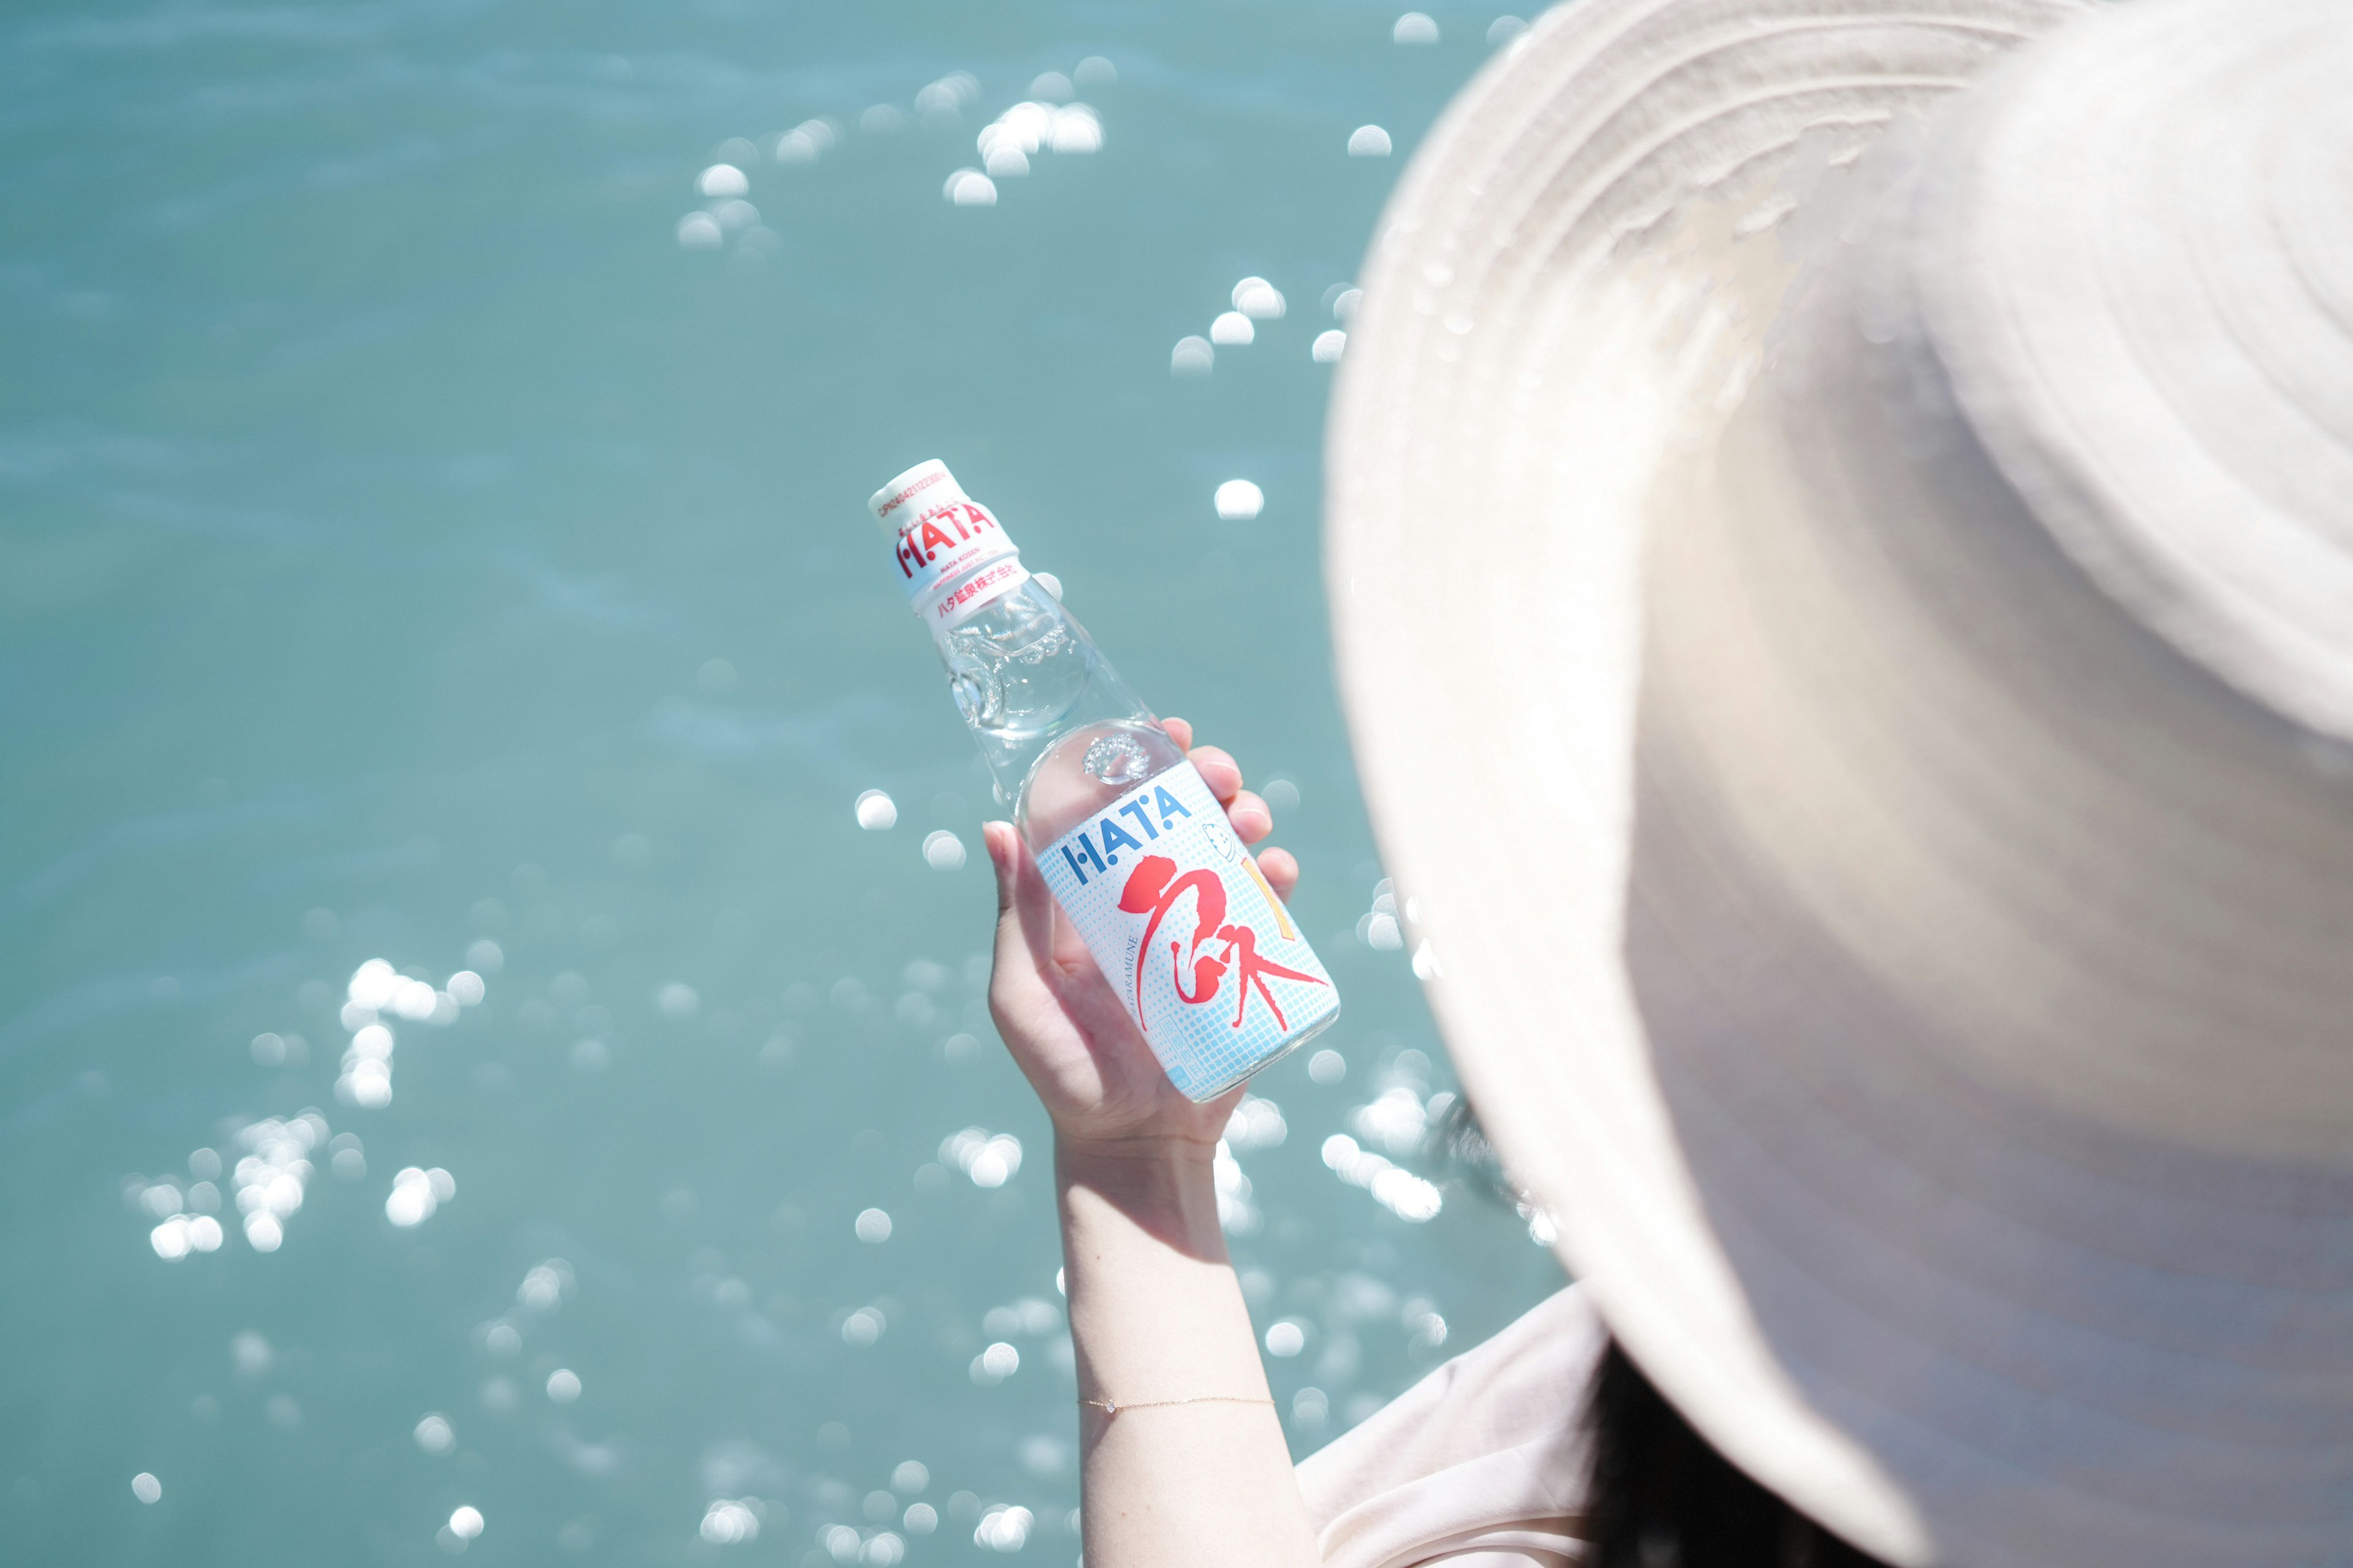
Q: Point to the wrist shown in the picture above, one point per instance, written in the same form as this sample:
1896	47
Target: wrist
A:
1163	1183
1139	1154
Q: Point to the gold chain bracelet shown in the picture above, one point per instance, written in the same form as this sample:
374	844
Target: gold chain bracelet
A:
1110	1409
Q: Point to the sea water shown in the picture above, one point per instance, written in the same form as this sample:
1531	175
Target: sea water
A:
493	1054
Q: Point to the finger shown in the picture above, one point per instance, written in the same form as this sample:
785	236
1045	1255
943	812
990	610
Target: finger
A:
1253	818
995	837
1179	731
1282	872
1217	770
1025	915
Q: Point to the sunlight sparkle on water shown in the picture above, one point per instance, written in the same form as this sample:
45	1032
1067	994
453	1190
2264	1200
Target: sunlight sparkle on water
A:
970	188
1368	141
1237	1215
1255	1123
1031	1316
1329	346
946	99
1192	356
876	811
991	1161
1399	1191
1257	298
1231	329
1004	1527
417	1194
1238	501
170	1239
1077	130
147	1488
366	1077
373	983
544	1286
731	1522
1414	27
994	1364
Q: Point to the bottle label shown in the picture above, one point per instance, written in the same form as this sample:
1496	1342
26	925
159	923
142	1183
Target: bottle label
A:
1187	929
953	557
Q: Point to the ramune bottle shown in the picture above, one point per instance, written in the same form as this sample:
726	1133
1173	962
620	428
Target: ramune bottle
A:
1135	849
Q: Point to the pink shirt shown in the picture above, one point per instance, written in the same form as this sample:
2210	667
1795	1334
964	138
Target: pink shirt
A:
1480	1465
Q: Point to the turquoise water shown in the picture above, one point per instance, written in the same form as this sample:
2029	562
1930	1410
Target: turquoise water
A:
409	543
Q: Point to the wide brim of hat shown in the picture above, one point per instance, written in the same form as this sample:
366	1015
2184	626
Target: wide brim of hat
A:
1886	1300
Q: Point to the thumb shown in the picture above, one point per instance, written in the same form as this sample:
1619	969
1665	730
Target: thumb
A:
998	838
1022	893
1025	908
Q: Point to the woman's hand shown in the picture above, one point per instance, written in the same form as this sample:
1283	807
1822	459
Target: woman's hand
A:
1060	1017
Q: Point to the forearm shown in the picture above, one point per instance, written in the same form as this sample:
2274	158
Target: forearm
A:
1156	1314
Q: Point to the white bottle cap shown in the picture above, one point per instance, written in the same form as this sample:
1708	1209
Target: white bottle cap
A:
951	553
926	484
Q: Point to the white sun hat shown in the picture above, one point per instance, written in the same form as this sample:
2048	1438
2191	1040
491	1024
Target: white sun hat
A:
1840	538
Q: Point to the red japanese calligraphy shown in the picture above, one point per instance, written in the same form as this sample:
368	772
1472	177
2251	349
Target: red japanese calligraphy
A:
1154	888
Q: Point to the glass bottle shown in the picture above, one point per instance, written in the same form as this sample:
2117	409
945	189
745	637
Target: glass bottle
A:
1136	850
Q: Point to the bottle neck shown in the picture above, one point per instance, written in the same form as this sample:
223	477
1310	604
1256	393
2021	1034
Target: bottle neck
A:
955	559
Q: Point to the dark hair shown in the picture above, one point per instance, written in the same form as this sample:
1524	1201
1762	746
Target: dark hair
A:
1661	1498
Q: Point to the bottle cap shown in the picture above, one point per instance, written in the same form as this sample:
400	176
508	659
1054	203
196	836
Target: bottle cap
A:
926	484
952	555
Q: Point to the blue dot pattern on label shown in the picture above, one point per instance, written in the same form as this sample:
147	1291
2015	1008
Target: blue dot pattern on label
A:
1183	923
